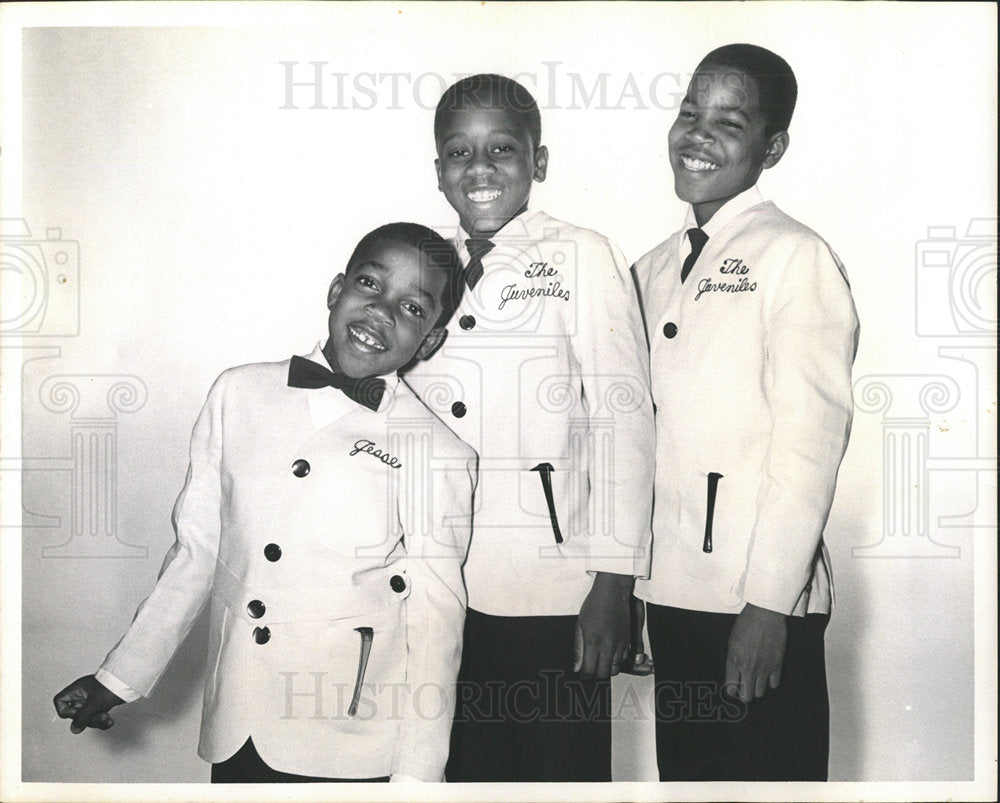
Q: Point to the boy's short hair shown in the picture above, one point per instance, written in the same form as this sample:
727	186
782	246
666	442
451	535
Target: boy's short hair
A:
435	252
773	75
490	91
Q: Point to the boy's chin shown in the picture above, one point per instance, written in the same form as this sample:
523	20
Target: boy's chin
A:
486	225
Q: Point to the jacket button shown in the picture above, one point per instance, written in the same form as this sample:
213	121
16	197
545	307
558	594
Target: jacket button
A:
458	409
262	635
300	468
397	584
256	608
670	329
272	552
467	321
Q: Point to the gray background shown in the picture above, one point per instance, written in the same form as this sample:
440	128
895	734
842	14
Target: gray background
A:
210	220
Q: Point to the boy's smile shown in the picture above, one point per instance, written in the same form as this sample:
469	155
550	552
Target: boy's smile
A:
383	311
718	146
486	163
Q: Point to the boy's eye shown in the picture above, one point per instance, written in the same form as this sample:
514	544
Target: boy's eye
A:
686	114
732	124
414	309
367	281
457	153
503	149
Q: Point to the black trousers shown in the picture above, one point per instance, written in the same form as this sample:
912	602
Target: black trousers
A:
704	735
246	766
521	714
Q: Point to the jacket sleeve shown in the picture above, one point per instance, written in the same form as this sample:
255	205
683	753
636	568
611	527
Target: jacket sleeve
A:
435	616
810	340
165	617
610	344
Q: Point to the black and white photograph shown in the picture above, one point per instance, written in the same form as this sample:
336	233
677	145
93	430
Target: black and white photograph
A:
498	401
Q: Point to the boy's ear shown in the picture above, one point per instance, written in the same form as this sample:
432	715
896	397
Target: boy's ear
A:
434	338
335	287
541	163
776	148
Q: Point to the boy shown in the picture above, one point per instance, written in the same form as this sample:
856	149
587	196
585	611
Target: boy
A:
753	333
299	519
546	376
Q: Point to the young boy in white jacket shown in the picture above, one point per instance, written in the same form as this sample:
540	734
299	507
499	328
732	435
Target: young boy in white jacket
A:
325	517
753	332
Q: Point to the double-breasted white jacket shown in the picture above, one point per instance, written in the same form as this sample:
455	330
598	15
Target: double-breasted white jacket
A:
751	374
320	531
545	373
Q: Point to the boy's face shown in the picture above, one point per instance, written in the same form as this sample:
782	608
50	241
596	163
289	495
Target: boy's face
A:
383	311
486	163
717	144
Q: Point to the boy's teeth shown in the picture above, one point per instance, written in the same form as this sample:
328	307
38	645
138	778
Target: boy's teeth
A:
366	338
483	196
697	164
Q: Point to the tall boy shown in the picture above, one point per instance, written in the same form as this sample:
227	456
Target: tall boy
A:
753	333
329	545
546	375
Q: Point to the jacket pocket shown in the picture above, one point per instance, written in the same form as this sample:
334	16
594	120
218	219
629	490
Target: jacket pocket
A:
713	489
545	475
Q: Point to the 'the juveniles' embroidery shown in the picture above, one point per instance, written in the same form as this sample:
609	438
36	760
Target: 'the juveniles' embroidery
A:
368	447
537	270
730	267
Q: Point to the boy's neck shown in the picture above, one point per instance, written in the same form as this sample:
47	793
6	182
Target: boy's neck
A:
707	212
331	358
487	234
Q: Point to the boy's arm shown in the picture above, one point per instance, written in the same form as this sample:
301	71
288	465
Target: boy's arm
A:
810	343
435	615
610	343
164	618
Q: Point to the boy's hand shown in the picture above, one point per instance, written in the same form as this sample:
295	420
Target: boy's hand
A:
637	662
756	652
602	627
86	701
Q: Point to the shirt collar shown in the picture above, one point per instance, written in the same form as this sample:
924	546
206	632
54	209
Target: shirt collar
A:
517	226
732	208
326	405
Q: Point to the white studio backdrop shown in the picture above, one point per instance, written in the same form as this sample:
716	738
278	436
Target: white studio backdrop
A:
203	205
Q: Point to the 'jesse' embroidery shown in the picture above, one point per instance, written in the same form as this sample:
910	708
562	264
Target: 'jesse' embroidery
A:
730	267
368	447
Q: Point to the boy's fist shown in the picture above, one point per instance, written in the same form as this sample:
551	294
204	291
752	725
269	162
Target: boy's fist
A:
86	701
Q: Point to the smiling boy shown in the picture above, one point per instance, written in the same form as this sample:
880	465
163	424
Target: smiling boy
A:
546	376
753	333
328	542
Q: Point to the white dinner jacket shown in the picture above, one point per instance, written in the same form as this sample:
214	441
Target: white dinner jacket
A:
545	373
751	374
314	525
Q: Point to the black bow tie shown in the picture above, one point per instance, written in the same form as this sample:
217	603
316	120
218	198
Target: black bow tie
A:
367	391
477	248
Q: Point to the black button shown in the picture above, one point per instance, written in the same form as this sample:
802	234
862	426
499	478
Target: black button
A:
300	468
670	329
262	635
256	608
397	584
272	552
467	321
458	409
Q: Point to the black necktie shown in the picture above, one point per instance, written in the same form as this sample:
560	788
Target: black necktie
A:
698	239
367	391
477	250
